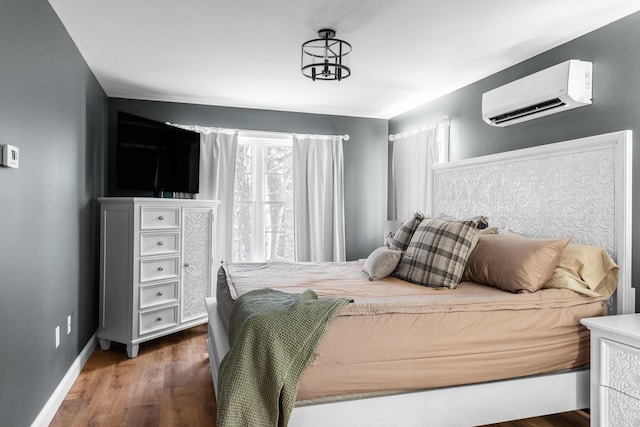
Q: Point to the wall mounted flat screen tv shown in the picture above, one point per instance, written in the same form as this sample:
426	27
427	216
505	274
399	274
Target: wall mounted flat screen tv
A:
155	156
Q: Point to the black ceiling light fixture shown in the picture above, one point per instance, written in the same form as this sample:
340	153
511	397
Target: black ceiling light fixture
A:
322	58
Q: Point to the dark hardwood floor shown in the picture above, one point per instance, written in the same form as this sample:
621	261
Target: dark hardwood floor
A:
169	384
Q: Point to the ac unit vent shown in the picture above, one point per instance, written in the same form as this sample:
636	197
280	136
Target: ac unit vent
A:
533	109
559	88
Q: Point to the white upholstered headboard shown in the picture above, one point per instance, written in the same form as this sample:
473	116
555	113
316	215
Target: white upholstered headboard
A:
580	188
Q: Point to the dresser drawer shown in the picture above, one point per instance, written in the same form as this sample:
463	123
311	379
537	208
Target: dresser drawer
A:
159	243
620	369
155	218
163	293
618	409
158	269
162	318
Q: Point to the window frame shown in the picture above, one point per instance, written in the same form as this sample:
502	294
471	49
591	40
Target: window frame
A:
259	141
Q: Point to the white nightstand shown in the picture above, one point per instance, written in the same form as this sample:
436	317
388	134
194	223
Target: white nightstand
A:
615	370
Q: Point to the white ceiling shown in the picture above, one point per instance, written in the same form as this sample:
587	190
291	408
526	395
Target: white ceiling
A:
246	53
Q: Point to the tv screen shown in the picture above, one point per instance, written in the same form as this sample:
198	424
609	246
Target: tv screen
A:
155	156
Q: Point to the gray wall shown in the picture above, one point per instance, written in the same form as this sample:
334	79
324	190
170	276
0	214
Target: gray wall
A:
616	105
53	110
365	154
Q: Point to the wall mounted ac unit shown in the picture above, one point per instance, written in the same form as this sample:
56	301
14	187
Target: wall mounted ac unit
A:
558	88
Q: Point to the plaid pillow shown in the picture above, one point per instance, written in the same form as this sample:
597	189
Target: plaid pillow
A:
437	253
400	240
483	221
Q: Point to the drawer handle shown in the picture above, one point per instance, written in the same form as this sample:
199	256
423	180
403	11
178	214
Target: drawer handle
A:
160	268
160	217
160	294
160	243
159	319
186	264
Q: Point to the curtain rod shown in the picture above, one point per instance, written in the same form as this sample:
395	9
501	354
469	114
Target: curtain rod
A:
443	120
255	133
344	137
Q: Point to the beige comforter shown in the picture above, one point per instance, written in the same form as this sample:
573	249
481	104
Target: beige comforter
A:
398	336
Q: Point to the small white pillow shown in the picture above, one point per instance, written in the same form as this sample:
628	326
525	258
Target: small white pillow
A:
381	263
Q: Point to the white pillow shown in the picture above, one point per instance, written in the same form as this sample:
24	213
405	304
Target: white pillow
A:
381	263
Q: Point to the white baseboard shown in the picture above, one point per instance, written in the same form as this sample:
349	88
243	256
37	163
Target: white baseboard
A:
50	409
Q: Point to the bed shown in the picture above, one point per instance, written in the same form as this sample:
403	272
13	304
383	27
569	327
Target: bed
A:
579	188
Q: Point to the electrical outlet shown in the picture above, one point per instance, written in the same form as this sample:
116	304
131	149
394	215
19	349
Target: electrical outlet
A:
57	336
68	324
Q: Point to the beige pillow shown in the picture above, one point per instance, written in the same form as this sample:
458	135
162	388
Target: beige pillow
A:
381	263
514	263
490	230
585	269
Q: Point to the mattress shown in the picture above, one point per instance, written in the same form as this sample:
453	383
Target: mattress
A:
397	336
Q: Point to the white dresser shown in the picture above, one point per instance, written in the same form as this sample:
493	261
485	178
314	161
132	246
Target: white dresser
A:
156	267
615	370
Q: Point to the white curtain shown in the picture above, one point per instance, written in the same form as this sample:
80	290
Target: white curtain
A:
318	177
218	148
414	154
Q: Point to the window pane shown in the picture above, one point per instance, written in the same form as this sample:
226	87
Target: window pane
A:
242	247
274	188
289	240
243	191
263	227
277	169
278	247
274	217
244	159
242	208
242	217
288	174
242	232
243	188
275	248
278	236
274	160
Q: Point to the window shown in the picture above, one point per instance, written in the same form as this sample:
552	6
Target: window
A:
263	198
414	155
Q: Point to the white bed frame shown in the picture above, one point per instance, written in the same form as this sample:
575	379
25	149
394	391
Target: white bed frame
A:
581	188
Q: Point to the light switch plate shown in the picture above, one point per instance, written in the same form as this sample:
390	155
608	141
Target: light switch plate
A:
10	156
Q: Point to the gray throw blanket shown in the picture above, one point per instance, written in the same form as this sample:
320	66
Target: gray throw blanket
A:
273	338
